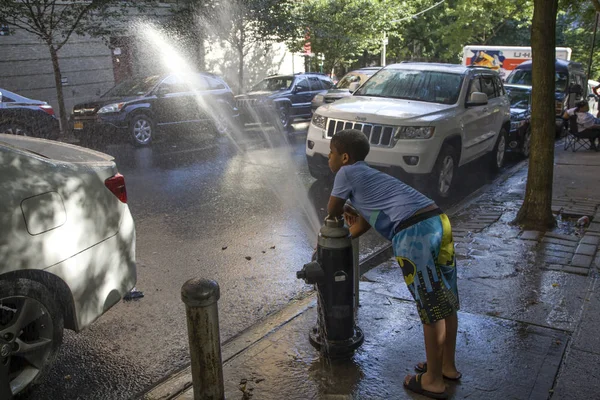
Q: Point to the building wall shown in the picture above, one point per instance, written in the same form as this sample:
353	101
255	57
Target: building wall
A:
25	68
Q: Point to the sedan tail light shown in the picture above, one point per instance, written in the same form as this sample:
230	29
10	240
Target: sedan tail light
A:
116	184
47	108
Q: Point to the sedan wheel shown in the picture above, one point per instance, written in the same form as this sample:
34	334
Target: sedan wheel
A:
14	129
142	129
30	334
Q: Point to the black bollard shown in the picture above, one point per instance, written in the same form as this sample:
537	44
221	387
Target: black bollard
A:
200	297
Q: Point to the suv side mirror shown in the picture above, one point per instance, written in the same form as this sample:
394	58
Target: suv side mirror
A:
477	99
354	87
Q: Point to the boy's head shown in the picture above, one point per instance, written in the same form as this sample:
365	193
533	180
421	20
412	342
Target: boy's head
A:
582	106
347	147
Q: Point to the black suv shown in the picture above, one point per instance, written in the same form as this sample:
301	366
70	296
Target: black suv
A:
138	106
285	97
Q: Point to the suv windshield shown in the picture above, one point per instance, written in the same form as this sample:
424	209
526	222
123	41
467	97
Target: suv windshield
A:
523	77
428	86
133	87
274	84
518	98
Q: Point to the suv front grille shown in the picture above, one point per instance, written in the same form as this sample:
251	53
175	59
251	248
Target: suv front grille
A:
378	135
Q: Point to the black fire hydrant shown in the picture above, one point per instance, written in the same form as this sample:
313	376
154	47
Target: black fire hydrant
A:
336	334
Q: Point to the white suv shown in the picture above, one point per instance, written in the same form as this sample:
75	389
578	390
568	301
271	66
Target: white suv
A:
422	120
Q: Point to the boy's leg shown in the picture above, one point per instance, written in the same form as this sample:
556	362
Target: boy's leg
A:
435	337
449	361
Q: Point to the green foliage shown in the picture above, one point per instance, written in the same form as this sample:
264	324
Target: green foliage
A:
575	29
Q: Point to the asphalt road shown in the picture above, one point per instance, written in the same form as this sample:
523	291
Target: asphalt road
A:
243	212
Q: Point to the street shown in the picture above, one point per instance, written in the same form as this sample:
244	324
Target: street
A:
205	206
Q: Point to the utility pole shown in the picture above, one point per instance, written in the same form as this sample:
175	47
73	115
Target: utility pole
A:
384	42
593	45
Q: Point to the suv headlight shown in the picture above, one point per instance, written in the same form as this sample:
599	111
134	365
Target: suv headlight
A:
319	121
414	132
111	108
319	98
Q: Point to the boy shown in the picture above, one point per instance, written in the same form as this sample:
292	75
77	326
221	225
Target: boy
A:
585	122
422	242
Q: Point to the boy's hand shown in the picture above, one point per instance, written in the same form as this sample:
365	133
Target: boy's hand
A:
350	215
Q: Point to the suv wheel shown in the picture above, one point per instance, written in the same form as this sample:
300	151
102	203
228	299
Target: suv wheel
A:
498	155
444	171
284	117
142	129
31	331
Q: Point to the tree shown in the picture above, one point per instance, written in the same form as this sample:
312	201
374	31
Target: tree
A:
54	22
244	24
536	211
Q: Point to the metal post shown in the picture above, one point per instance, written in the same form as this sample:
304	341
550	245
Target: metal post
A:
200	297
355	254
384	43
593	45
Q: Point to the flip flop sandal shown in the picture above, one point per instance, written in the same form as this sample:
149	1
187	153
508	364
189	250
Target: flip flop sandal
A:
423	369
414	385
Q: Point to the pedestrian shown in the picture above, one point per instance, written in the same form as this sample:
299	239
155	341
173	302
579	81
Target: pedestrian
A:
588	126
421	237
596	91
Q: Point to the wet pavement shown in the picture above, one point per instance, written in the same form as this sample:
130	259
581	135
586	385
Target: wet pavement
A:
205	206
527	327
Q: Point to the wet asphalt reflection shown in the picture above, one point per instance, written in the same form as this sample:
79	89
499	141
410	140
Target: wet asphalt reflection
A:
205	207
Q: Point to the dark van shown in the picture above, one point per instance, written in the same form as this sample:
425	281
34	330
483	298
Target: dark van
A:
568	75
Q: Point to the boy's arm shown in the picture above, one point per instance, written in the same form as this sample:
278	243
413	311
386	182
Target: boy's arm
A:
335	207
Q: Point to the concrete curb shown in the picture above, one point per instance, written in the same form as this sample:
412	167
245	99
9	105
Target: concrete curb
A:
175	384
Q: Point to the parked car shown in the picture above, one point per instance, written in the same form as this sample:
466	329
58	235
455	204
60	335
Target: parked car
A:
282	98
568	74
341	89
138	107
67	249
423	121
22	116
519	136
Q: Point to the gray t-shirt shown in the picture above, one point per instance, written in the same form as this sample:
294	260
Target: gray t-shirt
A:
381	199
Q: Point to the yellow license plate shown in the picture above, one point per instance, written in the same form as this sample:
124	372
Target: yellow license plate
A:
78	125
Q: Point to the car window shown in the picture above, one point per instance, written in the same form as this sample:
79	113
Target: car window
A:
215	84
499	86
474	86
6	99
173	84
428	86
315	83
274	84
523	77
133	87
326	84
302	85
519	98
487	86
345	82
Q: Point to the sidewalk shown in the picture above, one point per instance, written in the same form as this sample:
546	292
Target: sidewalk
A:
528	321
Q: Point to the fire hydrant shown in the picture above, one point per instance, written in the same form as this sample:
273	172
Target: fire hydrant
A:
336	334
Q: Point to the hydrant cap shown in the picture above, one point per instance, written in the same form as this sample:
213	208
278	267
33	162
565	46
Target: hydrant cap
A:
199	292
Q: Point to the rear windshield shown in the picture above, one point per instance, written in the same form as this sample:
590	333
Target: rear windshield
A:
523	77
428	86
133	87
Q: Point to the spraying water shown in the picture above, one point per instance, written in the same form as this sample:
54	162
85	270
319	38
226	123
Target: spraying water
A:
277	157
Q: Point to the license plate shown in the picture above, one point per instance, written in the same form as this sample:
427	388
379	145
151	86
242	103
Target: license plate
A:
78	125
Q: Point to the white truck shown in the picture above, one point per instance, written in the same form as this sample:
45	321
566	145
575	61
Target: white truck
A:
504	58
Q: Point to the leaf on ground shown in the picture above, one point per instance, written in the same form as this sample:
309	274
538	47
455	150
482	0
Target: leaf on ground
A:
224	248
248	258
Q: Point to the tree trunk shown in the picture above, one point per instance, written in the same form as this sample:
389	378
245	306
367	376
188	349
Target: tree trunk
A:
241	45
59	90
536	211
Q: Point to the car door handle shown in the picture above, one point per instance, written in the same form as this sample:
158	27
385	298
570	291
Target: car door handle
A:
485	109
